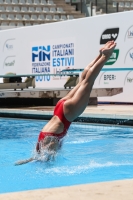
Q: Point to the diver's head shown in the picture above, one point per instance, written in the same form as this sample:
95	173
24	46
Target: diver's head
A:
50	143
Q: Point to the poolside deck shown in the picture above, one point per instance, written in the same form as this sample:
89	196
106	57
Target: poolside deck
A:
115	190
106	114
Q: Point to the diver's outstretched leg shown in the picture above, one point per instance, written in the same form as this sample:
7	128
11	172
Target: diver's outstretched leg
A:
74	106
84	73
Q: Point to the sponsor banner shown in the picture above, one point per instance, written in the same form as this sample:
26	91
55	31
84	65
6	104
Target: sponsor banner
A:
9	55
73	44
113	58
109	79
9	62
128	81
129	33
129	57
9	45
109	34
51	58
125	80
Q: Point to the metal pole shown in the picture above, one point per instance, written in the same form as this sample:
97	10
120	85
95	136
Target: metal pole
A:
91	8
106	6
71	2
95	2
117	7
81	5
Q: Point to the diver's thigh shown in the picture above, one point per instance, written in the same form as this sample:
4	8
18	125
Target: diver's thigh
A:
76	105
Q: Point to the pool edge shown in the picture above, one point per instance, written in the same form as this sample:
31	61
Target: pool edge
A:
98	118
117	190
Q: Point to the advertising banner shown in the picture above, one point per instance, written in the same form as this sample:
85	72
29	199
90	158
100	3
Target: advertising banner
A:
72	44
51	58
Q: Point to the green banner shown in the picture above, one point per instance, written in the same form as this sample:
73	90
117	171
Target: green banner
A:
113	58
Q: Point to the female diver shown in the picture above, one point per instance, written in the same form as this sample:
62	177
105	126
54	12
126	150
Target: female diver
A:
72	105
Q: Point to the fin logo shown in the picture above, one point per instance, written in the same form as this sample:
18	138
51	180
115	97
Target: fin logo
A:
40	53
108	35
113	58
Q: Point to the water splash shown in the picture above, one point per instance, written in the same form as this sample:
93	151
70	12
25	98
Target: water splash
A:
81	168
80	141
44	155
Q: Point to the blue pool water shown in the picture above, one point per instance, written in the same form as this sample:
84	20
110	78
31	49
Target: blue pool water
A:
89	154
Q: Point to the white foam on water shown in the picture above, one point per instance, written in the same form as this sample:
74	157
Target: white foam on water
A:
80	141
82	168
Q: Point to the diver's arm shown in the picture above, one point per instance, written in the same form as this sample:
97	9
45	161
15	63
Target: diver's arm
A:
21	162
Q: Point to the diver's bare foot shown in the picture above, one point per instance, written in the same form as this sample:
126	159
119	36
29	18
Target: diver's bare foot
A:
108	43
108	49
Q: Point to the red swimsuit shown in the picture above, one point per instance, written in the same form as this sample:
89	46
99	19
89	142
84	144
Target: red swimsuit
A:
58	111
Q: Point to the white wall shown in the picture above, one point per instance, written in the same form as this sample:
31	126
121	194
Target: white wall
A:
80	40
